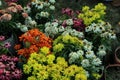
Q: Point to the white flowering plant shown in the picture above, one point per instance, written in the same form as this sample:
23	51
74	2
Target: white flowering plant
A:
40	10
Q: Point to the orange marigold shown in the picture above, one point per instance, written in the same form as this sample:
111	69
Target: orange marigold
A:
36	39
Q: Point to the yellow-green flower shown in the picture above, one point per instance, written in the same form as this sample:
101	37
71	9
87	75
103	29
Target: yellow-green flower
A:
58	47
92	15
85	8
57	40
44	50
69	72
96	76
31	78
31	62
42	75
80	77
26	69
65	78
36	68
56	76
61	61
66	38
50	58
33	55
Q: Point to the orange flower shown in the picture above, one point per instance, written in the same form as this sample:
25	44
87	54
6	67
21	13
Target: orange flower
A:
36	39
21	52
17	46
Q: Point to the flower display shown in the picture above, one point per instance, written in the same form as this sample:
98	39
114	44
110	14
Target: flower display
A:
53	47
51	68
33	40
8	68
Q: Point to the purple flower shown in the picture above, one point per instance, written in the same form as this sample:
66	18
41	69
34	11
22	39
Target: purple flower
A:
7	44
3	58
2	38
15	59
17	74
8	69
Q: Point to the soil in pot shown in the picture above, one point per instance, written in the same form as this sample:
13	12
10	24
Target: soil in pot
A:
113	73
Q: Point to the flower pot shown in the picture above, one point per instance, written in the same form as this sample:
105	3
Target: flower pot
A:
116	3
117	55
112	72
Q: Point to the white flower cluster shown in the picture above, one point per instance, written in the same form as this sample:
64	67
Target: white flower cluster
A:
52	1
73	32
75	55
42	14
22	27
69	22
52	29
42	8
87	57
29	23
103	29
89	63
87	45
101	51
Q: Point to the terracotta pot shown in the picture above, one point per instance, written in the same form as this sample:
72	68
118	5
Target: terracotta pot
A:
117	51
116	3
111	66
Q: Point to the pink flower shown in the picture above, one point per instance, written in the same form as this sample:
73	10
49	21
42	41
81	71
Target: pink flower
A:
15	59
7	45
6	17
2	38
1	71
19	7
25	15
64	23
3	58
17	74
11	9
2	66
12	4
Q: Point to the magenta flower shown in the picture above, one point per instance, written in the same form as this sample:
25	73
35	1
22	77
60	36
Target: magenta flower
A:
2	38
78	24
64	23
1	71
8	69
7	44
67	11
